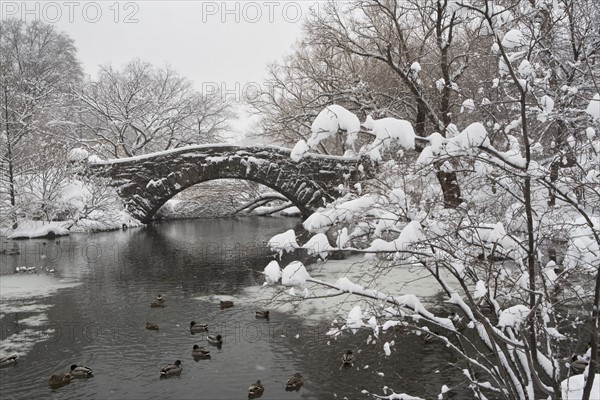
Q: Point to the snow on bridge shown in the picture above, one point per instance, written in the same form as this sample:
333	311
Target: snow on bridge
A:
146	182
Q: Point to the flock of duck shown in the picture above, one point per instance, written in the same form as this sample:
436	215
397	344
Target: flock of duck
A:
255	390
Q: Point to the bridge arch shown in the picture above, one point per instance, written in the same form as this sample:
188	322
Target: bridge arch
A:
146	182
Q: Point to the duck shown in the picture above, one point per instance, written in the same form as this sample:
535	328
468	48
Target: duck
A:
200	352
171	369
294	383
195	328
226	304
255	390
81	371
215	340
8	361
348	358
151	326
59	380
262	314
159	302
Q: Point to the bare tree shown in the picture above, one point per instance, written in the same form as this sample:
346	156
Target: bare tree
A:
143	108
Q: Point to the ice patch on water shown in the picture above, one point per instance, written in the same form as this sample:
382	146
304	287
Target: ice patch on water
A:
216	298
12	308
25	295
35	320
399	281
18	287
22	342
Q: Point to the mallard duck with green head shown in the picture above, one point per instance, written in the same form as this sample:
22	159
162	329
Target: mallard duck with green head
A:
59	380
200	352
256	390
8	361
294	383
171	369
197	328
81	371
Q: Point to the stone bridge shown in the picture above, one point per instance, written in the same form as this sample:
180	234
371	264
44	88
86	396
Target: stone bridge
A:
146	182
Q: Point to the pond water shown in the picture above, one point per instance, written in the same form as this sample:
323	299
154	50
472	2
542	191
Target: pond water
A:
94	308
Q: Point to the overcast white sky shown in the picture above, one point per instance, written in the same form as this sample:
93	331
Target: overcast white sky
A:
225	43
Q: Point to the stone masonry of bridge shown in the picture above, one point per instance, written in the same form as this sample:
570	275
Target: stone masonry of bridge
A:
146	182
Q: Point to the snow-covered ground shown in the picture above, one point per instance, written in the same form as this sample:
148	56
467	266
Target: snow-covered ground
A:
28	229
572	388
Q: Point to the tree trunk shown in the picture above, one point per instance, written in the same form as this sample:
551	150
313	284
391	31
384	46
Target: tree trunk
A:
9	159
450	189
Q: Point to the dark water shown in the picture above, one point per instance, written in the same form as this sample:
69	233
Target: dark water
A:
100	322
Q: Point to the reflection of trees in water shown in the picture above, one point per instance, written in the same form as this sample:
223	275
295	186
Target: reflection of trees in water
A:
202	256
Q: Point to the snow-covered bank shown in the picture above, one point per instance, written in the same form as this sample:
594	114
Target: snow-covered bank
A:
28	229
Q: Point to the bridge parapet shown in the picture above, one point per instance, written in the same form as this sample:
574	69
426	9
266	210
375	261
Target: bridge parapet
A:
146	182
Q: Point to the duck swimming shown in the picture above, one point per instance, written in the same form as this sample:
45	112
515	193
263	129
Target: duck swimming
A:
226	304
151	326
255	390
294	383
59	380
159	302
348	359
215	340
8	361
196	328
171	369
81	371
262	314
200	352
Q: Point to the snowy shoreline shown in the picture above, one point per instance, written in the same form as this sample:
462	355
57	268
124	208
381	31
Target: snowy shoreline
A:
29	229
